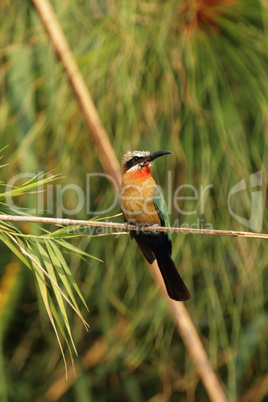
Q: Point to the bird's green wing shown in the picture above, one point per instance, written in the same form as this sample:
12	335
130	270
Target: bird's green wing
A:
161	208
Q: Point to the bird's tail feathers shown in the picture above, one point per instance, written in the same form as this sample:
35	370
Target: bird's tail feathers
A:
175	286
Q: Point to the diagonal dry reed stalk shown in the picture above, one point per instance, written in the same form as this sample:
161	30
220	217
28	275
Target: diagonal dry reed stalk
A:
97	132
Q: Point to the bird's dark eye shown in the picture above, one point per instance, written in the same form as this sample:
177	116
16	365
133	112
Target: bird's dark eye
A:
132	162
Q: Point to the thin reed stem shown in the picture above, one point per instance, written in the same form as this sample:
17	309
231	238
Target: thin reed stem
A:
128	227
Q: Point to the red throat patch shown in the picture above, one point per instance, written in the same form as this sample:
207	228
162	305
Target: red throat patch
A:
142	173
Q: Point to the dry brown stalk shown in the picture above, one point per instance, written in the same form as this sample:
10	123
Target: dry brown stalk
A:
97	132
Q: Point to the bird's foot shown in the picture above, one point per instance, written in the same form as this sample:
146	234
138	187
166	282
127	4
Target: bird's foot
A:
156	225
126	226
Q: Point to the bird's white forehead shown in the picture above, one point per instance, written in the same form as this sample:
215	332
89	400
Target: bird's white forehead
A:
130	155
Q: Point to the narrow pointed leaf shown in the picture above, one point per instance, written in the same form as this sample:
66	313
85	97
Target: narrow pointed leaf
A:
50	269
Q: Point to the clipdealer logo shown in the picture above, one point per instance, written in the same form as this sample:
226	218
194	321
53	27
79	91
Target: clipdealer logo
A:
186	199
255	221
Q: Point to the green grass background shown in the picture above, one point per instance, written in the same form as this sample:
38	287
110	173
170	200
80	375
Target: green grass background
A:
160	79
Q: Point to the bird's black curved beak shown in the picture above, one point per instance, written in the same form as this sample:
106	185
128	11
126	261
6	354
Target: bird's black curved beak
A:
155	155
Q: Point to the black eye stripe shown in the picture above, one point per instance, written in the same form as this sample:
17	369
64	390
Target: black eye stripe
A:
133	161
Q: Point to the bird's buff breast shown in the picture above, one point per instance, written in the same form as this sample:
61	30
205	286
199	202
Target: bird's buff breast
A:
137	202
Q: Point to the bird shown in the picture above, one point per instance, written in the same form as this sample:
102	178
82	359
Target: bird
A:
142	203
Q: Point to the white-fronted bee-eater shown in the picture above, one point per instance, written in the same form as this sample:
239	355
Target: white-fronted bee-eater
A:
143	204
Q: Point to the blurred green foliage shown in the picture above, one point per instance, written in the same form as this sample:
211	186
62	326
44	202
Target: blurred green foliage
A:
186	76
